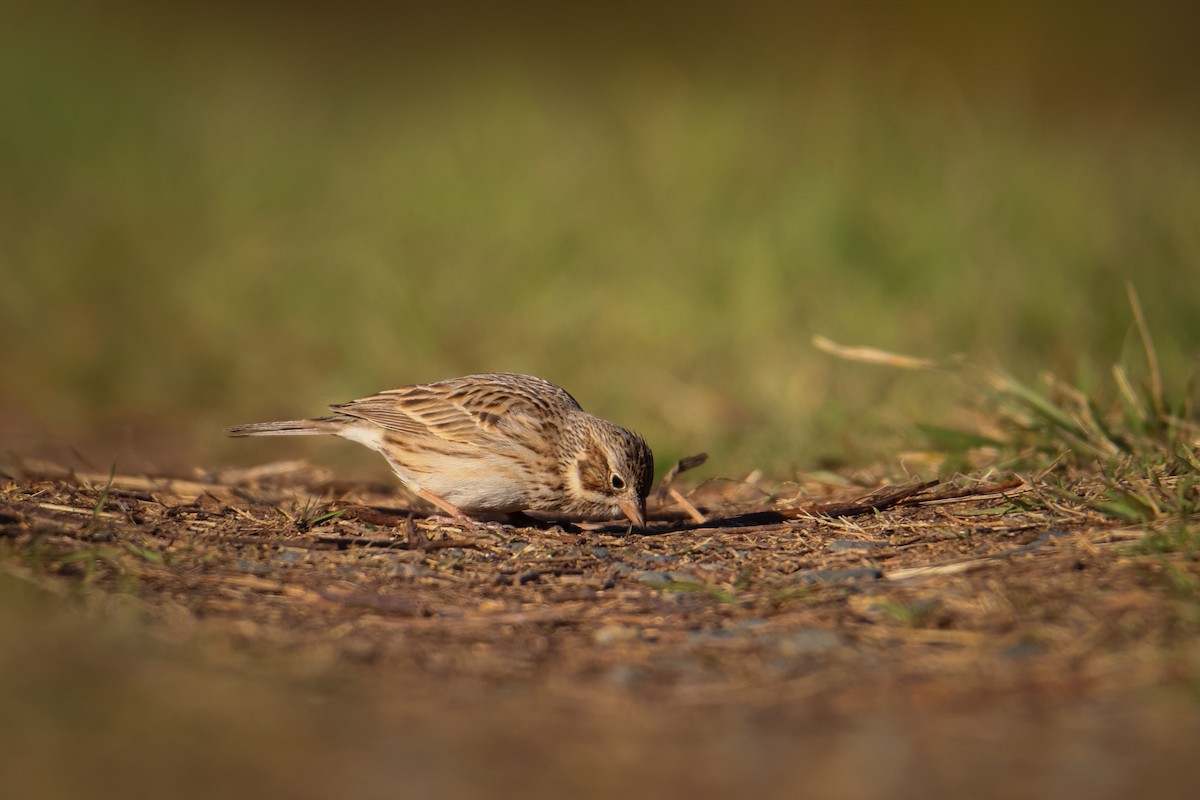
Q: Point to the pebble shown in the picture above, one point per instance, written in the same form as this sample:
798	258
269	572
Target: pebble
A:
624	675
410	571
811	642
290	557
835	575
656	577
613	633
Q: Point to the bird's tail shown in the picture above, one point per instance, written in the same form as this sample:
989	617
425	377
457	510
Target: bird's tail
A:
323	426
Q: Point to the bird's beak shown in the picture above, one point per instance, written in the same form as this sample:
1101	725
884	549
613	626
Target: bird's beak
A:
636	511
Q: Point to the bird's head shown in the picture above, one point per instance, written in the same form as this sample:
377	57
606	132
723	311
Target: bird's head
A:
611	473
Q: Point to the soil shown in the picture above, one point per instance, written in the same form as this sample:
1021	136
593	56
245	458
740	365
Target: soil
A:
757	639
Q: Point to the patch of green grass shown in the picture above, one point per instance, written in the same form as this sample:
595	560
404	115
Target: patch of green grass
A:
1181	583
1130	450
809	594
915	614
694	587
143	553
257	230
313	512
115	567
1178	538
1146	444
1172	568
103	498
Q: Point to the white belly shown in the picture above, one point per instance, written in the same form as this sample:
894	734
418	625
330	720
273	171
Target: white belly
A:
488	483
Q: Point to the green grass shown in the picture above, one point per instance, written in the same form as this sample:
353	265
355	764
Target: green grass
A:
1128	447
915	614
693	587
94	525
312	513
1145	442
1178	538
206	224
1142	434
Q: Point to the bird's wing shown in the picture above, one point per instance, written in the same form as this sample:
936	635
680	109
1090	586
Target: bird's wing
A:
465	410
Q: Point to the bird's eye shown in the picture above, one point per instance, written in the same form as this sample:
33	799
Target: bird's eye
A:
617	482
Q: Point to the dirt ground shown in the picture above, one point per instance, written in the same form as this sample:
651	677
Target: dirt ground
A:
273	632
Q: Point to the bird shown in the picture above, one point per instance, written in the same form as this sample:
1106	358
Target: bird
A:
493	443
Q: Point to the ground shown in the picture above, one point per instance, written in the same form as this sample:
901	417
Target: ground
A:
275	632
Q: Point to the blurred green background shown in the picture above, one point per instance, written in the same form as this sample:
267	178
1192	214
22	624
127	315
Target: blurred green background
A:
218	214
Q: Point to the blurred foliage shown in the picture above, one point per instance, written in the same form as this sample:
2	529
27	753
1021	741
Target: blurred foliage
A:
216	214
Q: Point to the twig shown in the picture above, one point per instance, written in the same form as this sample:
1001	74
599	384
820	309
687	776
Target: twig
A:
680	466
691	510
983	492
875	501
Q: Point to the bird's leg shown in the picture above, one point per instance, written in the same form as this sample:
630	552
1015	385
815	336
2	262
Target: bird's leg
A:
451	510
454	514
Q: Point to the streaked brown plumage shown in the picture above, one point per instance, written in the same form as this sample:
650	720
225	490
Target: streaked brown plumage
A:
496	442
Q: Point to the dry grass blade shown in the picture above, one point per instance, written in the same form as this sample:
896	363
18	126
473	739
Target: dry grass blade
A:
872	355
678	468
687	506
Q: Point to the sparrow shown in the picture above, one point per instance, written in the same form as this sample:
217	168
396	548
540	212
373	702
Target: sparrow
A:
493	443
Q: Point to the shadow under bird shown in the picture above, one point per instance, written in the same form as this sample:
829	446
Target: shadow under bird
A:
493	443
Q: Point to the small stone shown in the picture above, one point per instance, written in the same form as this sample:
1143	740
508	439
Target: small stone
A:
410	571
611	634
289	557
837	575
624	675
719	637
811	642
662	578
360	649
